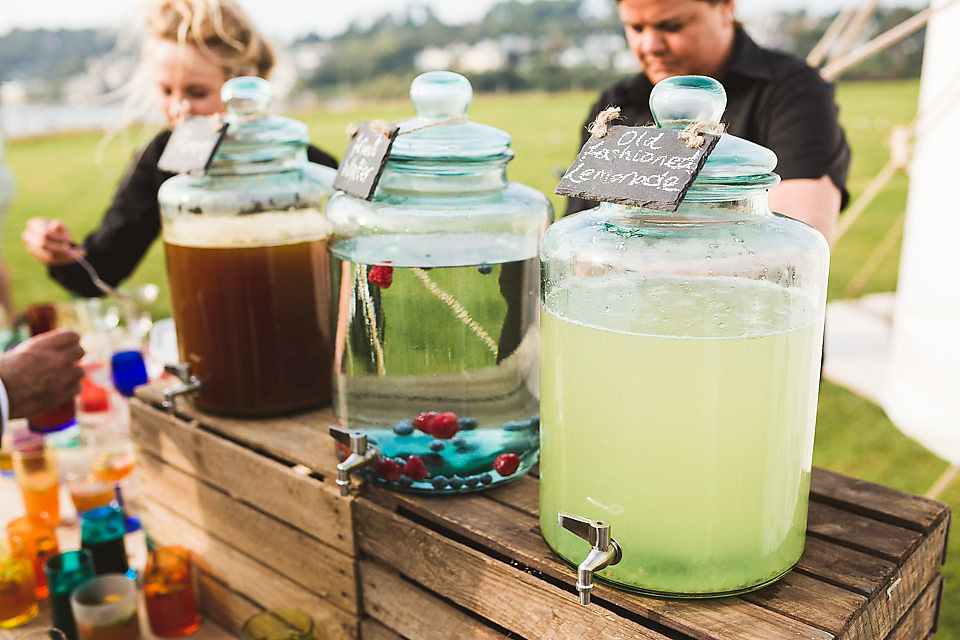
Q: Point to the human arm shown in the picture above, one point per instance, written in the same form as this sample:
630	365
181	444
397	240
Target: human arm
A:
816	202
116	247
41	372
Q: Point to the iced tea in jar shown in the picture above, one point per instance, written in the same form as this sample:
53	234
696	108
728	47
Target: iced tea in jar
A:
246	253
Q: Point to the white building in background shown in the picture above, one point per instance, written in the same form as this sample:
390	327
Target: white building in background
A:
13	92
486	55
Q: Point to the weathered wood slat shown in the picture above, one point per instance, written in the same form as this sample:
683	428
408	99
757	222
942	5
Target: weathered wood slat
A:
893	601
372	630
243	575
876	501
228	608
246	475
870	570
301	438
854	570
491	589
413	612
921	619
811	600
705	620
317	567
861	533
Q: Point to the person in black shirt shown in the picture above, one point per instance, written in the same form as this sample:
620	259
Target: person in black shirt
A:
194	46
773	99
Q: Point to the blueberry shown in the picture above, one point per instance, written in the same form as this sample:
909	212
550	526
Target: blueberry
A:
403	428
437	445
431	459
535	422
439	482
459	443
455	482
486	478
471	481
404	481
485	268
516	425
467	424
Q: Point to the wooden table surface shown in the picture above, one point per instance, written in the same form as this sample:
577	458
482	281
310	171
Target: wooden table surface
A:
870	570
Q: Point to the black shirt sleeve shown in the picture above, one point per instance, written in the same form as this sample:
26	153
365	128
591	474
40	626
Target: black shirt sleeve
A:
803	129
319	156
129	226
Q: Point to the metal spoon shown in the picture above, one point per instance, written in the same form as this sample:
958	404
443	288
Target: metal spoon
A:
98	282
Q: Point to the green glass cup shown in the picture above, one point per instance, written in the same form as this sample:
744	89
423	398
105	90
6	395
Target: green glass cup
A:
65	571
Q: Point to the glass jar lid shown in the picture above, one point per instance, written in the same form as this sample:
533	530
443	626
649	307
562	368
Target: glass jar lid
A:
680	101
441	131
253	135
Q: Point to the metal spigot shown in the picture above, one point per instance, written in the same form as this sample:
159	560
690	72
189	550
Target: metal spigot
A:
189	383
605	552
362	454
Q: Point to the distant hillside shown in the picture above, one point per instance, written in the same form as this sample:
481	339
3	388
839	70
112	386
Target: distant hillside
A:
549	45
49	56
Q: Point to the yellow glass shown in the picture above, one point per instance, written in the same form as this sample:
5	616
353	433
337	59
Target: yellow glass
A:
18	599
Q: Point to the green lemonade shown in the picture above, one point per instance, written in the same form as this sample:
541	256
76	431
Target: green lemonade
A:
695	447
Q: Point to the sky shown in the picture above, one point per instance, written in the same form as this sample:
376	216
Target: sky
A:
286	19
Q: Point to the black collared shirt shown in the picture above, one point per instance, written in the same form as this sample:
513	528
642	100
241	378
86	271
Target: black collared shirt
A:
773	99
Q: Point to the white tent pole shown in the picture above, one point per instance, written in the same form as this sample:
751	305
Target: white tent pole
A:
836	66
822	48
943	482
854	28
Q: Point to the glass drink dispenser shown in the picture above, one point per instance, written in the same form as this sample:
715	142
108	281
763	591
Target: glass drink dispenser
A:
436	290
680	368
246	248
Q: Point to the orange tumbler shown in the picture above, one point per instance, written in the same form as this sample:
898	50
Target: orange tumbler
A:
39	542
168	592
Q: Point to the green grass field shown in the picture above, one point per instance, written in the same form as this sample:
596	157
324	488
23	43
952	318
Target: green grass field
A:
62	176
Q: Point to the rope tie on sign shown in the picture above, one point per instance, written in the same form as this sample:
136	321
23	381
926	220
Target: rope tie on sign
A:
691	133
384	127
598	128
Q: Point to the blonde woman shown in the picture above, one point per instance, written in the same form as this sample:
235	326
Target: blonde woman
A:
192	48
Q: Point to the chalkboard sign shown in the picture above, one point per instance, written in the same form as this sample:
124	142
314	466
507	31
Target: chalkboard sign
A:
192	144
642	166
364	159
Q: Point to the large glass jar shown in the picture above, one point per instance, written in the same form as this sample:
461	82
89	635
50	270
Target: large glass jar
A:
436	283
681	356
246	247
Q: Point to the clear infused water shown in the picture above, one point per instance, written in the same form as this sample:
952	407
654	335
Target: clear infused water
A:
681	412
443	323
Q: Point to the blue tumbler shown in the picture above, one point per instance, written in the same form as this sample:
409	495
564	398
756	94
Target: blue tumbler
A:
128	371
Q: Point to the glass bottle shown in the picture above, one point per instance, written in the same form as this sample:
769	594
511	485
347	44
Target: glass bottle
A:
436	282
246	258
680	371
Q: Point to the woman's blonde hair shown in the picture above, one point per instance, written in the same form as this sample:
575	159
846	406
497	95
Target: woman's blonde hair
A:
218	28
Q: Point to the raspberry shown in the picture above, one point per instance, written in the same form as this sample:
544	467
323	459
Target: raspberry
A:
388	469
381	275
444	426
506	464
415	469
424	421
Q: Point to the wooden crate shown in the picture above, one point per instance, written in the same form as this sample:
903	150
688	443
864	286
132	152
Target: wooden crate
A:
256	500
